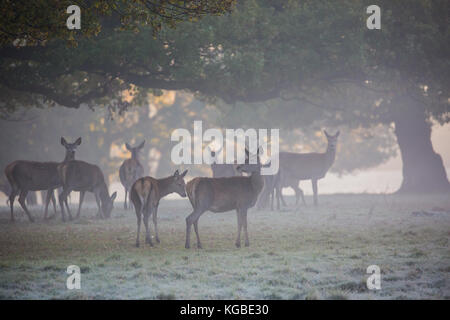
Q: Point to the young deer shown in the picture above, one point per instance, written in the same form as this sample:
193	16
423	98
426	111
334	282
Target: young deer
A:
24	176
81	176
131	169
225	194
147	192
306	166
221	170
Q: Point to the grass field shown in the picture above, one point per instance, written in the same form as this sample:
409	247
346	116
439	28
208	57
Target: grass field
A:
302	253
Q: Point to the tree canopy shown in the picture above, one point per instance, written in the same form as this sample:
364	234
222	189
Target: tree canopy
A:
264	55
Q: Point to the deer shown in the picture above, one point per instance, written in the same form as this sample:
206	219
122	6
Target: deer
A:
81	176
270	187
220	170
238	193
306	166
146	193
25	176
131	169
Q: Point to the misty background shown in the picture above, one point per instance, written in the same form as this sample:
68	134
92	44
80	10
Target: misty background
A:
373	166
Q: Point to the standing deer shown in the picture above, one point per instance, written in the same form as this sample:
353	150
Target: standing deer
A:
225	194
81	176
131	169
270	187
306	166
146	193
24	176
220	170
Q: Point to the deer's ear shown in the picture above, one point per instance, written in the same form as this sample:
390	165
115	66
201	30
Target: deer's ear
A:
326	133
184	173
78	142
128	146
141	145
113	196
337	134
63	141
177	173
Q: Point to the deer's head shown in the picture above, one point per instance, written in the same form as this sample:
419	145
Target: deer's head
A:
177	184
108	205
135	151
70	148
332	140
249	166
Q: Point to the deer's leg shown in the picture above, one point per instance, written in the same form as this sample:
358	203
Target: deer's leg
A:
81	202
155	223
239	221
278	193
297	195
62	201
271	196
126	195
199	244
137	207
148	238
12	196
22	198
68	208
190	219
53	201
314	186
47	201
189	222
244	223
303	195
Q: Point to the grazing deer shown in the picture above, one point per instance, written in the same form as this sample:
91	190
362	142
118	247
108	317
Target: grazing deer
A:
131	169
81	176
25	176
221	170
306	166
145	195
225	194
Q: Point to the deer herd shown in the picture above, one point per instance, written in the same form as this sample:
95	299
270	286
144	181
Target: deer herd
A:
232	186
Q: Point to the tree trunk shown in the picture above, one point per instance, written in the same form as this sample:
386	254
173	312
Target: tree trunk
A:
423	169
